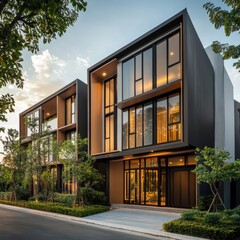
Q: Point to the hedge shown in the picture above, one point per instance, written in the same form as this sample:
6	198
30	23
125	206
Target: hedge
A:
56	208
197	229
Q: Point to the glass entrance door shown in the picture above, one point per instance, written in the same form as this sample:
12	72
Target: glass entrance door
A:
132	186
151	186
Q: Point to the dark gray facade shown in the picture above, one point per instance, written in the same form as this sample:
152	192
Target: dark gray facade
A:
196	88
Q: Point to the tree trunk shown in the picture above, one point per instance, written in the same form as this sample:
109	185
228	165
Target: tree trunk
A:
79	198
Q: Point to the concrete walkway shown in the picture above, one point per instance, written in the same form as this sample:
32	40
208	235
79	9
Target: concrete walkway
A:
135	218
146	220
129	220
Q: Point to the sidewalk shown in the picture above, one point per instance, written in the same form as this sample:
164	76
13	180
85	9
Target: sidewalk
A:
129	220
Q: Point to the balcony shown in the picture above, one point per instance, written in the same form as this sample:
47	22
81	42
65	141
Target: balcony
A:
50	124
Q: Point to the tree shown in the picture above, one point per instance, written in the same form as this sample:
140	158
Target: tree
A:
37	156
213	169
78	164
12	166
23	24
230	20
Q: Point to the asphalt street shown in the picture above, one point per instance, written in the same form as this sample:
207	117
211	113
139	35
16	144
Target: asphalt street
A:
16	225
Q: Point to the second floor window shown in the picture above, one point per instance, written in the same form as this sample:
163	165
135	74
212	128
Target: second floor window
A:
137	128
160	120
33	123
109	101
70	110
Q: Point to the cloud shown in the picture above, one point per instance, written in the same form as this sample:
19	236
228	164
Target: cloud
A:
82	61
46	64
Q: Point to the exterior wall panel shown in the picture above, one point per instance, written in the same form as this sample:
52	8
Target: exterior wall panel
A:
116	181
198	90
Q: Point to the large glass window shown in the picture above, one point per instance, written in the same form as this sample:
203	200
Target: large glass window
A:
147	70
138	71
137	74
70	110
109	114
168	60
33	120
174	67
148	124
128	78
132	127
137	126
162	63
162	121
174	119
125	130
169	127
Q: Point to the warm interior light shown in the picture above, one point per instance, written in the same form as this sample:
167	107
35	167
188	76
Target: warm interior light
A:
171	53
170	163
104	74
48	114
180	160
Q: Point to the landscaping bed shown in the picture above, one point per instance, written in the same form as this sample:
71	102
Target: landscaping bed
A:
58	208
218	226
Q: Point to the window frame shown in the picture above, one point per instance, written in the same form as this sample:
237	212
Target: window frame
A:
153	46
154	120
134	56
151	102
109	114
72	114
32	115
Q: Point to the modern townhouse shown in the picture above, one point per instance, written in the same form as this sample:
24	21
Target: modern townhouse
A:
150	105
65	114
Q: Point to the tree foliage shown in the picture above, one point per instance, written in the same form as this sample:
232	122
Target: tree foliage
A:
213	169
12	168
78	164
23	23
230	21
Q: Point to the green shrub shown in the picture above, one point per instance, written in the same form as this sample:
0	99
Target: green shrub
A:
22	193
56	208
212	218
190	215
235	219
91	196
237	210
203	230
5	196
65	199
204	202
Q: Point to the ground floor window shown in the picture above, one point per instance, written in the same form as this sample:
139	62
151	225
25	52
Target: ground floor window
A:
160	181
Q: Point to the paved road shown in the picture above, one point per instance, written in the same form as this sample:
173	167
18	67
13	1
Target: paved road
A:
16	225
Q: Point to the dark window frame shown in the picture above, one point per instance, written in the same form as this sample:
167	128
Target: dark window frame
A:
134	56
154	119
128	110
112	113
143	167
153	46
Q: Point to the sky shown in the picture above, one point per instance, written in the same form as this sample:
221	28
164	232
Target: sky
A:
106	26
